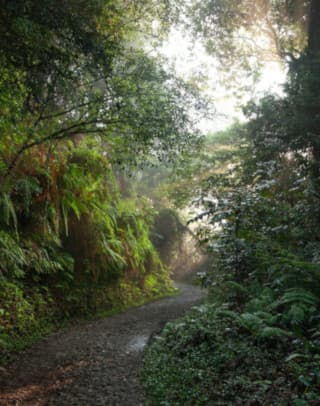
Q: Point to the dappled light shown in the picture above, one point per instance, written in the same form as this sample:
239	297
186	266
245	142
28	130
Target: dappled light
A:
159	202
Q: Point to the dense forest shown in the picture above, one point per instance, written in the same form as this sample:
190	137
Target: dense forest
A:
255	190
100	149
83	107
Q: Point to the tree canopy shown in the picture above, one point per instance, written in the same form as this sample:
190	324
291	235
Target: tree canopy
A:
80	98
255	195
75	70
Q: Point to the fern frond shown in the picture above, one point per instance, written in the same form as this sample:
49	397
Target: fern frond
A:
273	332
7	211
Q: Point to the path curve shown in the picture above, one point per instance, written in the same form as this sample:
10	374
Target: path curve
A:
94	363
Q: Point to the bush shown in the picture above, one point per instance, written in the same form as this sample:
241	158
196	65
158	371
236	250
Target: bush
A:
209	358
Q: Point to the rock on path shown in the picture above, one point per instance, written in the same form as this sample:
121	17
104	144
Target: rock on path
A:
94	363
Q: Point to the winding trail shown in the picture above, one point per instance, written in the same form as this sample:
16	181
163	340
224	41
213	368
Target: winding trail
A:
94	363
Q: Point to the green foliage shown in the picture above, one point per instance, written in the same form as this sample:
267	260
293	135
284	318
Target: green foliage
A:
25	315
12	256
229	30
86	76
218	152
71	244
8	212
77	99
208	357
258	216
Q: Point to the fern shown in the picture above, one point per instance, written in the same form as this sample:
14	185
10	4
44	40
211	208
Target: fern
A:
251	322
70	204
273	332
298	305
112	250
297	295
7	211
228	313
237	288
39	260
297	313
13	257
26	188
267	317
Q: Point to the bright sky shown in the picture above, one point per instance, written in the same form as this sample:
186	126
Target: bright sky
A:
192	61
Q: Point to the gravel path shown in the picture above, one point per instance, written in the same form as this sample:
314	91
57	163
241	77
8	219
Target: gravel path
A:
94	363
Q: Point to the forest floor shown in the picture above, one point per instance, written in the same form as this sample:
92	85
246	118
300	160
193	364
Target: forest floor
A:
92	363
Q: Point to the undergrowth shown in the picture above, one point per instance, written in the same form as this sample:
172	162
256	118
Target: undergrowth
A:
258	341
209	357
71	245
24	331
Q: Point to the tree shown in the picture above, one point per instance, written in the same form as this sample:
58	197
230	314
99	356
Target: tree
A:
86	76
260	221
241	34
250	29
78	95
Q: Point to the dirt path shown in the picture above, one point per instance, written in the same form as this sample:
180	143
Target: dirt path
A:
94	363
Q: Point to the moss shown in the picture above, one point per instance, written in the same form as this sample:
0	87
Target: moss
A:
26	318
